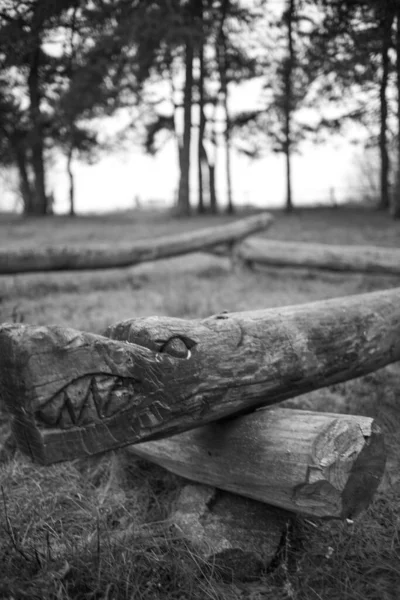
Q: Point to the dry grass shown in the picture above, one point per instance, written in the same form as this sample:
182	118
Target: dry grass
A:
98	529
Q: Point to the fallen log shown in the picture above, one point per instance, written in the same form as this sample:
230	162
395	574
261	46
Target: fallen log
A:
74	394
56	258
358	259
317	464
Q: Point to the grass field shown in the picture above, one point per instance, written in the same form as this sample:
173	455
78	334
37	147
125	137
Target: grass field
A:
97	529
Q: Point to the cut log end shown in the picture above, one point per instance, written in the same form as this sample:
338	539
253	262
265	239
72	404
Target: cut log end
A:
348	463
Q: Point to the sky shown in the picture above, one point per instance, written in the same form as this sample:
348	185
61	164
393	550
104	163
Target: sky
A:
321	174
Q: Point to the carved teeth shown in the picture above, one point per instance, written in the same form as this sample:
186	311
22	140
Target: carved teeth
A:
88	399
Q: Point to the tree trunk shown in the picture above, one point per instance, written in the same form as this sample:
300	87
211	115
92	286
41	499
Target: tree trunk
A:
351	259
184	182
213	193
202	117
396	196
71	182
222	67
100	257
36	135
230	207
74	394
318	464
25	184
386	27
213	164
288	102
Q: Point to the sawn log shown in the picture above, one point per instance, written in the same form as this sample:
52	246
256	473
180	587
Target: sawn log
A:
74	393
317	464
56	258
357	259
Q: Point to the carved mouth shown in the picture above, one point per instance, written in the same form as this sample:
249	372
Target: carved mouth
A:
88	399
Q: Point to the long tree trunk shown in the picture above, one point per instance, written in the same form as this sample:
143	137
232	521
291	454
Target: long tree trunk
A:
184	181
227	135
213	163
19	151
71	182
396	196
288	102
202	117
36	134
16	141
24	183
386	28
222	67
213	192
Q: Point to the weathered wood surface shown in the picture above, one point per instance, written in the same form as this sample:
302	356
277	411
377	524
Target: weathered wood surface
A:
74	394
121	255
318	464
237	536
361	259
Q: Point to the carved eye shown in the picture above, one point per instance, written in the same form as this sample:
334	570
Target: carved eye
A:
177	346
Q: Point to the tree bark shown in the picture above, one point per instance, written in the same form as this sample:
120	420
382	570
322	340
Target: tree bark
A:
184	181
101	257
202	117
386	27
396	196
317	464
213	192
74	394
25	184
222	67
355	259
36	134
71	182
212	165
288	102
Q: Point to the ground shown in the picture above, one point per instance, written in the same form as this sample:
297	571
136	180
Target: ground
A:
94	528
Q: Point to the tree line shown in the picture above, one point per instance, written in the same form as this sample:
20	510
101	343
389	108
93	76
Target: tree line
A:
322	65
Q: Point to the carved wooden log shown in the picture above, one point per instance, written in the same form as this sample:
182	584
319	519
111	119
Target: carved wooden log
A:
318	464
122	255
75	393
364	259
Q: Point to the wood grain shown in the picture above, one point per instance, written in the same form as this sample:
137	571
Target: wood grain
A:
317	464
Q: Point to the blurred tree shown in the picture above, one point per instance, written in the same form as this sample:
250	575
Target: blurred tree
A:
13	147
290	77
396	192
351	48
288	99
213	29
24	61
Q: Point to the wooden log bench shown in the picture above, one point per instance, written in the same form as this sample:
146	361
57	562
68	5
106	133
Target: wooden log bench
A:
74	394
177	392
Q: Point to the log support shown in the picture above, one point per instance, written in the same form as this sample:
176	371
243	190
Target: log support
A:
316	464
